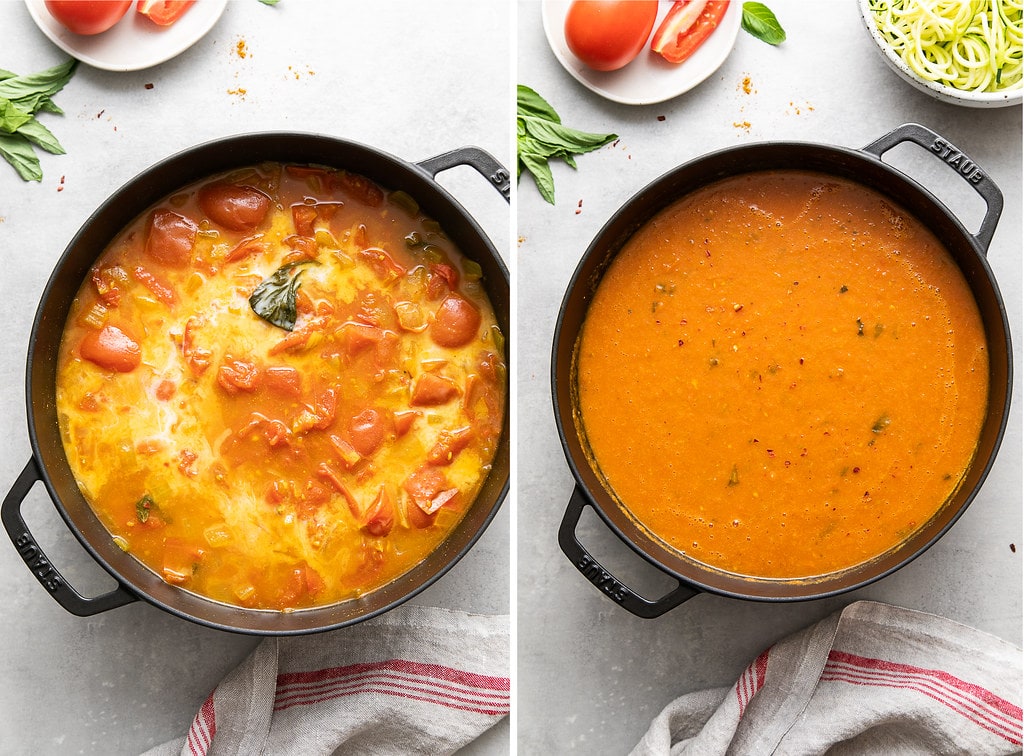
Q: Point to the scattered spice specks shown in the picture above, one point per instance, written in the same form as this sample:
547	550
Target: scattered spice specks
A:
60	186
149	85
241	48
661	118
1013	548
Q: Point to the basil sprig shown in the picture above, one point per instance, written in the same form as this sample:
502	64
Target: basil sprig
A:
274	299
21	97
759	21
541	136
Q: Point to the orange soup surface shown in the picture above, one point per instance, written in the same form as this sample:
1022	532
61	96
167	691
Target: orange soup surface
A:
281	387
782	375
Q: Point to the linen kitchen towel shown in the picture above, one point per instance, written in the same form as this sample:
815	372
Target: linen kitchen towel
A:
414	680
869	680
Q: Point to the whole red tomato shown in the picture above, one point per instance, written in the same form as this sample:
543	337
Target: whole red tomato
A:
608	34
88	16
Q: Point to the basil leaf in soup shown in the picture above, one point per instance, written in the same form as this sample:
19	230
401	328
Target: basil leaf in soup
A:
274	299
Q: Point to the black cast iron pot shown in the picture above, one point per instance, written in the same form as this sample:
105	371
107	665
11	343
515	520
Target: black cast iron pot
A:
866	167
49	465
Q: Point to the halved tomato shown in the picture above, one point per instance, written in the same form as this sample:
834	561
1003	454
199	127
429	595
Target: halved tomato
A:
163	12
688	24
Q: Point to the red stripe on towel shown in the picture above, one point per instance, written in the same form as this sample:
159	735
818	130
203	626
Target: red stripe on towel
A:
974	703
444	686
752	680
204	726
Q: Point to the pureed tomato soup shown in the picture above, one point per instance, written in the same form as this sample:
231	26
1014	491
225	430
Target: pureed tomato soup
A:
281	387
782	375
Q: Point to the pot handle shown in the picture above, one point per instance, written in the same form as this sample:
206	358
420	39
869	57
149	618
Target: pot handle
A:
481	160
604	580
36	560
956	159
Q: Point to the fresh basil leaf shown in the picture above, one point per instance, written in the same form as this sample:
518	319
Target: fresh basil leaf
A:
541	136
21	97
759	21
274	299
17	150
541	172
12	117
571	140
528	102
40	136
42	83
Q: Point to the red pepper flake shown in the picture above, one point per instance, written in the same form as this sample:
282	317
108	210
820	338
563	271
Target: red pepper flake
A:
100	114
856	469
579	207
149	85
1013	548
661	118
60	186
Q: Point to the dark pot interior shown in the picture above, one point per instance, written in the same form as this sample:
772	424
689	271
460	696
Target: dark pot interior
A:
132	199
855	165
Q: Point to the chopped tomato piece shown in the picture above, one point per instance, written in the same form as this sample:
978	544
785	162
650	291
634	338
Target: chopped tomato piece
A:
170	238
446	273
235	207
250	246
163	12
326	408
383	264
432	390
302	248
180	560
404	421
380	517
187	462
456	322
362	188
300	336
108	281
111	349
304	217
357	337
283	380
366	431
165	390
197	358
157	286
238	375
428	491
449	444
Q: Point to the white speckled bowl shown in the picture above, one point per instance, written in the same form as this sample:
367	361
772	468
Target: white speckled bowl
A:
938	91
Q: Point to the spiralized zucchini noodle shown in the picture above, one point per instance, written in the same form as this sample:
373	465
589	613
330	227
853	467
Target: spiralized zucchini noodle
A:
971	45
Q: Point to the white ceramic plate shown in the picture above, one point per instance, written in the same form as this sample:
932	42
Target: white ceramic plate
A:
134	42
649	78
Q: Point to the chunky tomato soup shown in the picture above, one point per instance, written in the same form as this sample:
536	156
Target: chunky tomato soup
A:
782	375
281	387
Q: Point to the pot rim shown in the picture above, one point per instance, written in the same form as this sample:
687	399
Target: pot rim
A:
140	192
607	243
